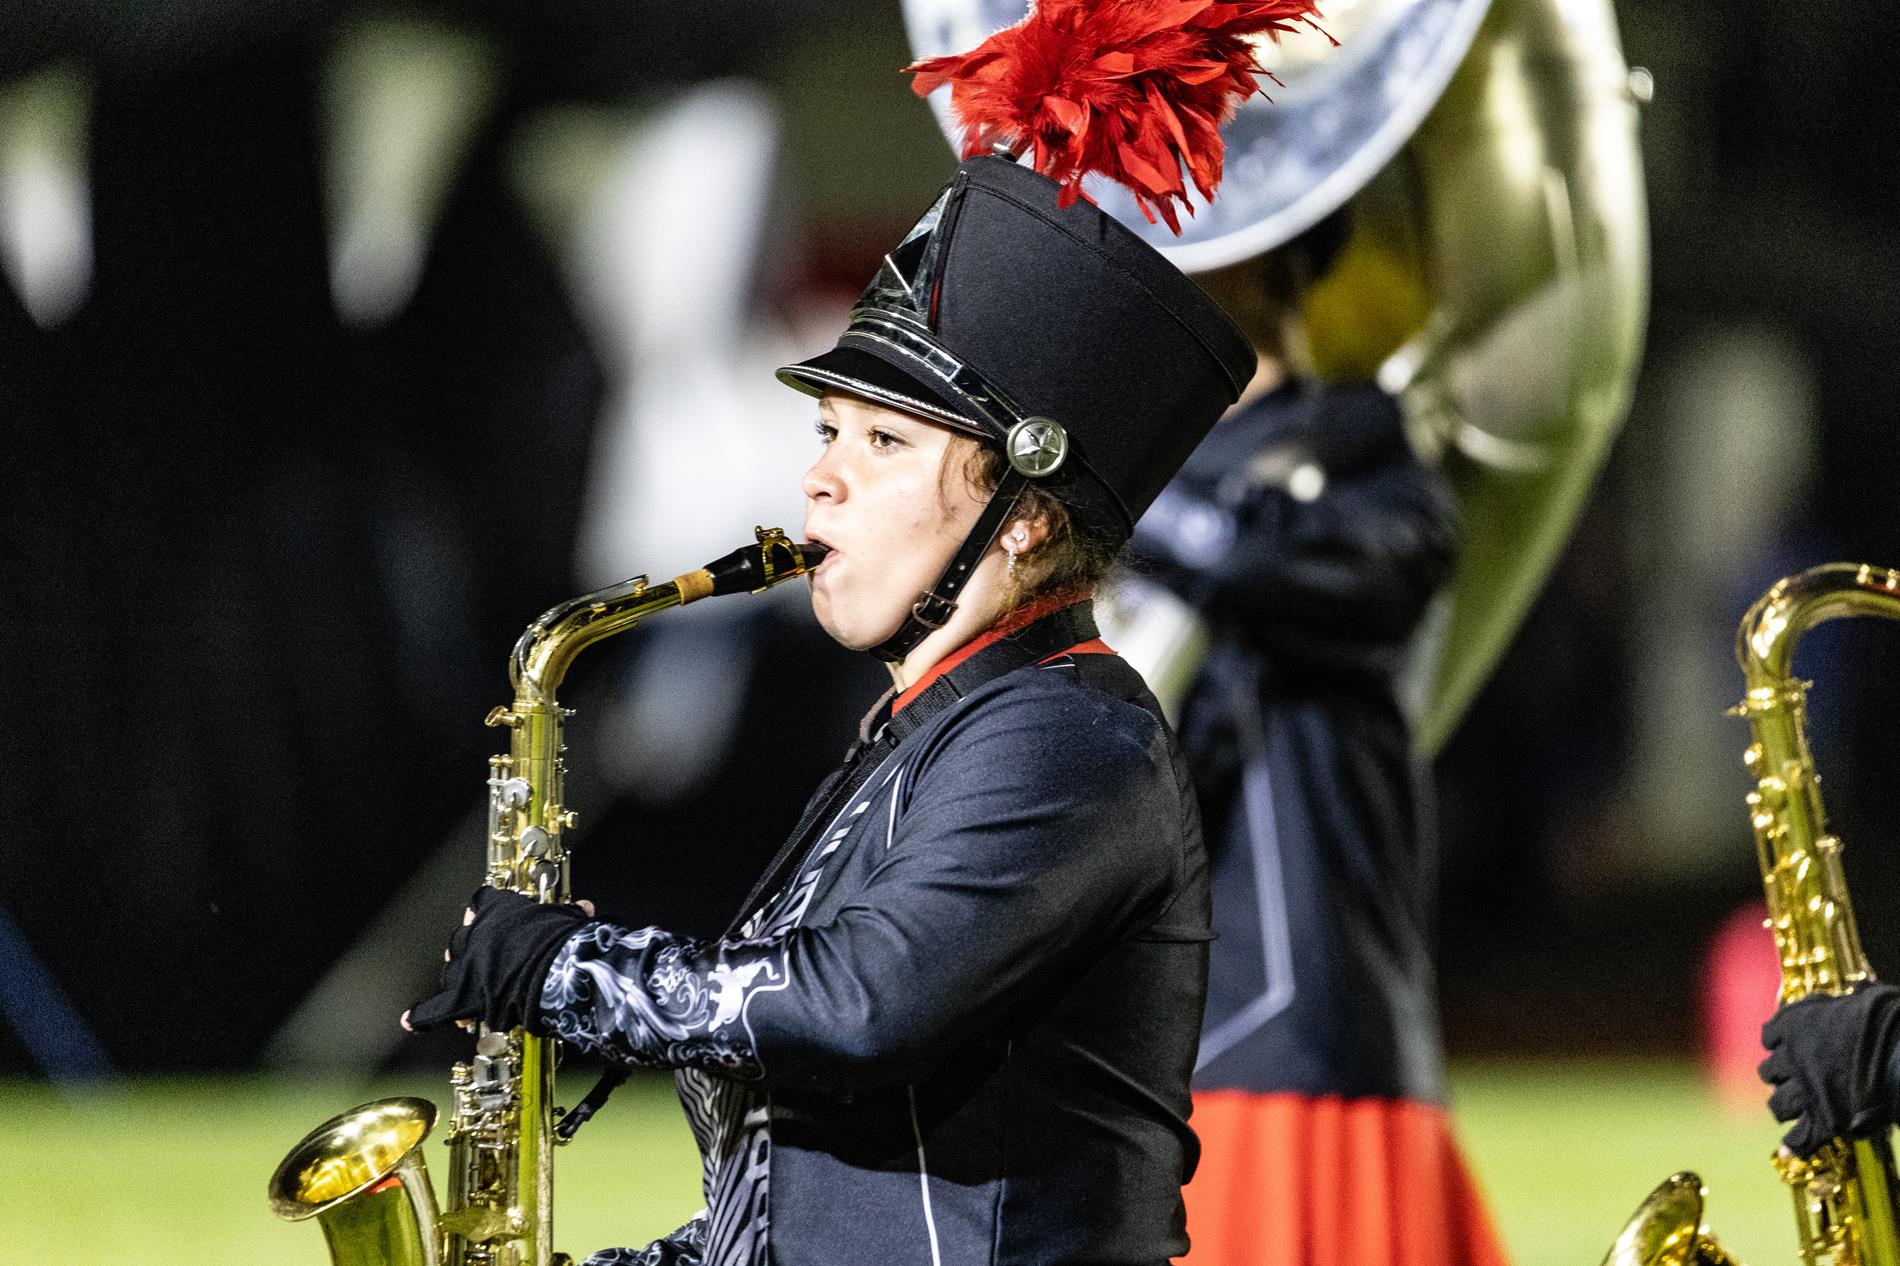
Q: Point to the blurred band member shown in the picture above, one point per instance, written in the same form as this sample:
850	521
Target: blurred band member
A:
1311	539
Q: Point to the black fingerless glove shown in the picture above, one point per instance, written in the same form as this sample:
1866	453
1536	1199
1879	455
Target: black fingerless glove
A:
1831	1063
497	964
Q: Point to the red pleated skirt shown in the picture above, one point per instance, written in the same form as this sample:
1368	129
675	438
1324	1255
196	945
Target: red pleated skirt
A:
1288	1180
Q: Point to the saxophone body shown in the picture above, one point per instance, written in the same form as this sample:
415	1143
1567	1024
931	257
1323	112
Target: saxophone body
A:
1844	1195
361	1175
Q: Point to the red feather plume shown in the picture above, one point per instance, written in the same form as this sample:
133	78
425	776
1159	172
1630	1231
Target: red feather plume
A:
1134	89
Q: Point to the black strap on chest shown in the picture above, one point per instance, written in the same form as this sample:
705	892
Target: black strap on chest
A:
1033	643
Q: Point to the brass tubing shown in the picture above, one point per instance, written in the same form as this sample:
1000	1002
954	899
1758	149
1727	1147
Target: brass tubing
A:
549	645
1766	641
536	1187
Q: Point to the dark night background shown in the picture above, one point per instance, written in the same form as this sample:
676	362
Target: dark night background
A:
263	564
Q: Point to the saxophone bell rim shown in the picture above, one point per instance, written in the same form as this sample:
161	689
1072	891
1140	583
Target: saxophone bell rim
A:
400	1124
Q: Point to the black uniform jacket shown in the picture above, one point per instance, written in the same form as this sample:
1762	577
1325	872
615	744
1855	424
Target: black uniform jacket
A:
1312	540
963	1031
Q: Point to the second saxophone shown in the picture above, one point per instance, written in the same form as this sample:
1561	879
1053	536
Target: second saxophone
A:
1845	1213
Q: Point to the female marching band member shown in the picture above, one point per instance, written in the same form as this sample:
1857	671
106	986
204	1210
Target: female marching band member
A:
957	1019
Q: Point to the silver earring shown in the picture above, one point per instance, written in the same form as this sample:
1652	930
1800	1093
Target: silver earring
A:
1012	562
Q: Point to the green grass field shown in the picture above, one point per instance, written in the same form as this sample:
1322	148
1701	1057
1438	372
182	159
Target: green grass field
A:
169	1174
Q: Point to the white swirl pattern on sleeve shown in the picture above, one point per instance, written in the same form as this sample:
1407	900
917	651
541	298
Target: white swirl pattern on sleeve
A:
653	1000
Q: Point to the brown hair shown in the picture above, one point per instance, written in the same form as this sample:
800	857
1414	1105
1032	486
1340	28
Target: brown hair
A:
1073	560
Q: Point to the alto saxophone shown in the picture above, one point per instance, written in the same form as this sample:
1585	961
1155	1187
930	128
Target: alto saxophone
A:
1845	1213
361	1174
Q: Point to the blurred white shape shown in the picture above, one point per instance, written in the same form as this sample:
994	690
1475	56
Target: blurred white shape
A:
45	200
700	443
402	99
665	220
1306	482
1513	400
666	731
1159	635
1742	402
1734	457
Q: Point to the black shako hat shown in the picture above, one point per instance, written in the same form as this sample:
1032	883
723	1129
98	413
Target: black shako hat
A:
1052	332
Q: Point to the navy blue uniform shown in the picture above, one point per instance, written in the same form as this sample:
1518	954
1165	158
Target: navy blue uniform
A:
1315	809
964	1029
1312	540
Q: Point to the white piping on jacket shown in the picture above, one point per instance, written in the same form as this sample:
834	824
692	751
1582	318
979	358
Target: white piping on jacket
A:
1276	942
923	1177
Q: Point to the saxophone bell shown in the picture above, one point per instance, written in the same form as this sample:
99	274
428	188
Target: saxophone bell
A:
1667	1229
362	1177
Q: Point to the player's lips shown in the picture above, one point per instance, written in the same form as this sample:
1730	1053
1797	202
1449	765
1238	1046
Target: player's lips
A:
831	551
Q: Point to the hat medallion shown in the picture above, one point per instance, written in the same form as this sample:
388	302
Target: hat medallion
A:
1037	447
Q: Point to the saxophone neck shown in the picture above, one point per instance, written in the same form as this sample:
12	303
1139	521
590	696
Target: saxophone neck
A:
1775	704
1808	907
1769	634
548	647
546	650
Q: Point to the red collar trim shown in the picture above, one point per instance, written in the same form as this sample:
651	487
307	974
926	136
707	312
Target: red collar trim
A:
1021	618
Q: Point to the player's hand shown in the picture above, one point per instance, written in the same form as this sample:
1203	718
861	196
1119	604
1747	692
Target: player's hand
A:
496	962
1831	1065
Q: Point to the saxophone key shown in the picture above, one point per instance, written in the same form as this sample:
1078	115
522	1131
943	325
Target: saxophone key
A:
512	793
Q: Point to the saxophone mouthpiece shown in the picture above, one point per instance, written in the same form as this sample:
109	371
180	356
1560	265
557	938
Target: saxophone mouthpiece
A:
752	568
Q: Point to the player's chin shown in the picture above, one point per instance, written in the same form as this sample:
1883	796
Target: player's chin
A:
847	624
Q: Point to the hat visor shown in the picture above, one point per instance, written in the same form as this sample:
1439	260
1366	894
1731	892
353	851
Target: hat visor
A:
860	372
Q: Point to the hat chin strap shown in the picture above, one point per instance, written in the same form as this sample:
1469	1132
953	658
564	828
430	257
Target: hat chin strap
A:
935	606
